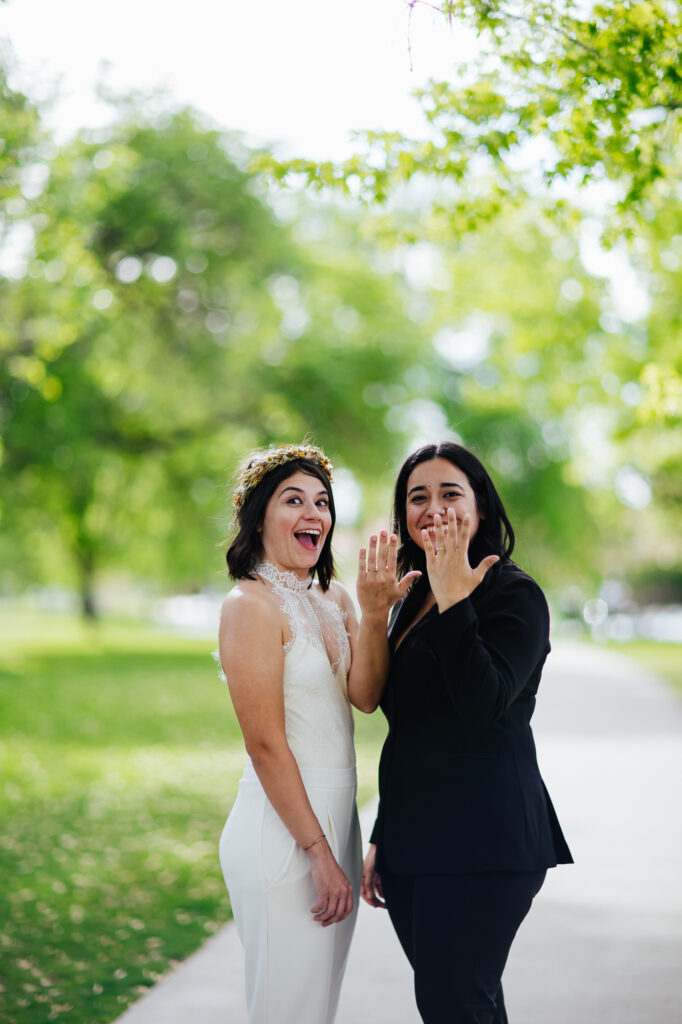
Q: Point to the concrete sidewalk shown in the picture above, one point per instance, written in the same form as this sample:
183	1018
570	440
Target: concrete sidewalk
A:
603	942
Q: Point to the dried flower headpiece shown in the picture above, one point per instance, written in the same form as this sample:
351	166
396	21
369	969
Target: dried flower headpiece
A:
261	464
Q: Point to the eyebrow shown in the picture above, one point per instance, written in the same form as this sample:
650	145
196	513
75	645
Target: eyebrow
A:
422	487
299	490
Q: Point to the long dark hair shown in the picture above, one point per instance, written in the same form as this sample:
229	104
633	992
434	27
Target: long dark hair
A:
494	536
246	549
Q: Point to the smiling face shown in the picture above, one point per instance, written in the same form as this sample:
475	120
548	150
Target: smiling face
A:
433	487
296	523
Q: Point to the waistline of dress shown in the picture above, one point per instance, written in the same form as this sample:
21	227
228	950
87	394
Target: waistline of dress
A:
324	778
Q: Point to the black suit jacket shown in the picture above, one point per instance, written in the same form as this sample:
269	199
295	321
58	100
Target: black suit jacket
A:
459	785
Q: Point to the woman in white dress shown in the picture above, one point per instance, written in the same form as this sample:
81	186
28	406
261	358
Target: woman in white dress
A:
295	658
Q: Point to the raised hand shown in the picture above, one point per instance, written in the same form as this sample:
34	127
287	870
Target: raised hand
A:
378	589
451	577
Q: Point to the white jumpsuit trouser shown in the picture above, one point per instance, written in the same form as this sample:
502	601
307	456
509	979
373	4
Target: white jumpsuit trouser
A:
293	966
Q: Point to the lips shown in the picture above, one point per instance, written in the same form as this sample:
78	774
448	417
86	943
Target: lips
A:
431	529
309	539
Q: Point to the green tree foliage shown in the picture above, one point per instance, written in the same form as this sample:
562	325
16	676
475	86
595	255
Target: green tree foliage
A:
565	115
579	104
520	368
19	135
600	86
166	320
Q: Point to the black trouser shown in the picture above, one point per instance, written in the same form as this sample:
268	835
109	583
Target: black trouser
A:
457	931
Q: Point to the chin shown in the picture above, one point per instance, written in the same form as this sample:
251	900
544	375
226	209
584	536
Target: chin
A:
306	559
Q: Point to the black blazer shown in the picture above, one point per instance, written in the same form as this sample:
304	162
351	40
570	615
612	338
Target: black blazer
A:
459	784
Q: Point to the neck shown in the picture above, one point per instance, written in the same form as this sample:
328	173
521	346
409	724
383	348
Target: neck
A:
302	574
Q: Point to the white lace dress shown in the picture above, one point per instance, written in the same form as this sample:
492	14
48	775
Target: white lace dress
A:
293	966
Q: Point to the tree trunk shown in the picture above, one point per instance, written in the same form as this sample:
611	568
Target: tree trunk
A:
87	572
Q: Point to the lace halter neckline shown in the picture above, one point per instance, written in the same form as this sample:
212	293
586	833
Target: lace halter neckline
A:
317	622
283	577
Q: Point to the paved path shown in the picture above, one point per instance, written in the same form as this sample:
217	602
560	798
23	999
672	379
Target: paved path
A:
603	943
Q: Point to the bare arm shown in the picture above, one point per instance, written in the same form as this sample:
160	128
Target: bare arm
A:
369	665
378	590
252	656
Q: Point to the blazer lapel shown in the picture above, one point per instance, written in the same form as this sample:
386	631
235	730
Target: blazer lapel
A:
393	631
401	617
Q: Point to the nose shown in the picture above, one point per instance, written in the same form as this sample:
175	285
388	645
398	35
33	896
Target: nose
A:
435	506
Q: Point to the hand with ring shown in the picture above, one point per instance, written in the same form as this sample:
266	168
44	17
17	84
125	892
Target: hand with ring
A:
377	586
451	577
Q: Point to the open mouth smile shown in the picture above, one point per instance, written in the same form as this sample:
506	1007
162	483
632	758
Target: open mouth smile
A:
309	539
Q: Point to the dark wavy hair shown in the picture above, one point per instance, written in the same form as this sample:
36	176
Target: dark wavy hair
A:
494	536
246	549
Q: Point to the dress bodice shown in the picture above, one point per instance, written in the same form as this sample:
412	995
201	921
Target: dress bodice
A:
317	712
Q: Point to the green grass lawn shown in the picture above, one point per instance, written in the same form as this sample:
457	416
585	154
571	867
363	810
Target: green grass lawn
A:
663	659
120	756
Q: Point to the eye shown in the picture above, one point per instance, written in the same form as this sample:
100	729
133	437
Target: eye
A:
294	499
452	494
324	502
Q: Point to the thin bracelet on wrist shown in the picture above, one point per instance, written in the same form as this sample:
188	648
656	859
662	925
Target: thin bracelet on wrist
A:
318	840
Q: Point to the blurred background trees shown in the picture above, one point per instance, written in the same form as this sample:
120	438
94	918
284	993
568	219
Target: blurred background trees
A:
546	189
511	279
170	299
160	320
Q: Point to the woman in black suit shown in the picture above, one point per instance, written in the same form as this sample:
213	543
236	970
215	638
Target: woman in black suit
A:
466	829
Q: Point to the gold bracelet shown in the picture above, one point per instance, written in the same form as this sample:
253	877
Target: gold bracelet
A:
318	840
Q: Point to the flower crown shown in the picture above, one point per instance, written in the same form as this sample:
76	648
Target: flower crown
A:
261	463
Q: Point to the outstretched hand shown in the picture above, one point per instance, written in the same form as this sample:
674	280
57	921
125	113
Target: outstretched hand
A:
378	589
451	577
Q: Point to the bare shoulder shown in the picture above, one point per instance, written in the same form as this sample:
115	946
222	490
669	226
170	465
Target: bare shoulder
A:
250	641
251	604
338	595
